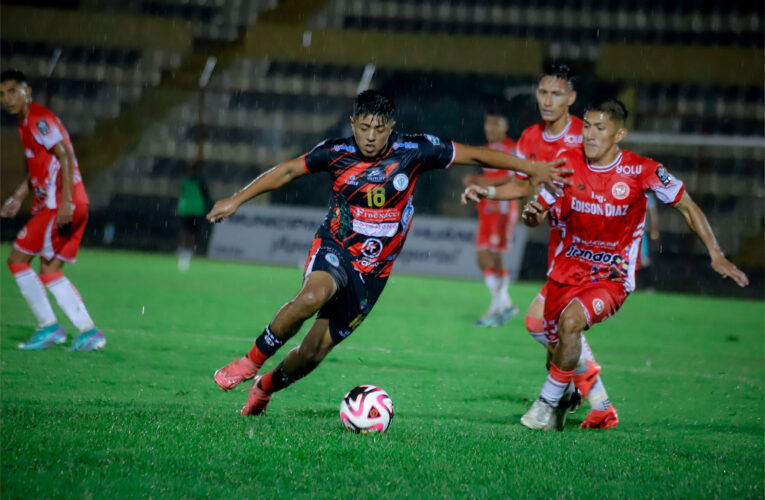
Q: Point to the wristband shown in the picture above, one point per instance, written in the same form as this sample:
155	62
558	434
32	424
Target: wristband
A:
491	192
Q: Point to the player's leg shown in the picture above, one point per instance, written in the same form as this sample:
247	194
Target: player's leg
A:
34	239
298	363
318	288
500	243
485	264
535	323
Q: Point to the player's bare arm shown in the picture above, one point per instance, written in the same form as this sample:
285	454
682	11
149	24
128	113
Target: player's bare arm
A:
274	178
699	224
533	213
12	205
66	160
543	173
511	189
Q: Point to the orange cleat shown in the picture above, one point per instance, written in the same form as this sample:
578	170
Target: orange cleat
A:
601	419
235	373
586	380
257	400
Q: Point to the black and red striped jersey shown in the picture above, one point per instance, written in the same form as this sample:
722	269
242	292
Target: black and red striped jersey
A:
372	201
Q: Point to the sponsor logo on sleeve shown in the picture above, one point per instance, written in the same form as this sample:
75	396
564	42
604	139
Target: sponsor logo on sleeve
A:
332	259
663	175
43	126
401	182
597	306
433	139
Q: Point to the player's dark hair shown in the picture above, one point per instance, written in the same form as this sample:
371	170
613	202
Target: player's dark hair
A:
495	110
559	70
374	103
12	74
614	108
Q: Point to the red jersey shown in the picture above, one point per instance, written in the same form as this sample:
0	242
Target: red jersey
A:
604	212
40	131
498	206
537	145
372	202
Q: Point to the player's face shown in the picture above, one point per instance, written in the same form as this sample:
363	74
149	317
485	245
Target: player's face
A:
601	135
554	96
14	96
495	128
371	133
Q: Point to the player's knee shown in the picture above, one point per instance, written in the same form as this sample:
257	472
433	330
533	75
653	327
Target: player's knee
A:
310	301
570	329
534	325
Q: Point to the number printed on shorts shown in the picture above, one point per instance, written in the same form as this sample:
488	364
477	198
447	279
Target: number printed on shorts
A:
376	196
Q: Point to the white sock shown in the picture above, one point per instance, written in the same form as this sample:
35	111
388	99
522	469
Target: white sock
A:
33	291
69	300
586	354
597	397
492	283
505	302
184	259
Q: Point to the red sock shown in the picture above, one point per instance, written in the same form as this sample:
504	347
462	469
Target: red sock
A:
256	356
17	268
266	383
559	375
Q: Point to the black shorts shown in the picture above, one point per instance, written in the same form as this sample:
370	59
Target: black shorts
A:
356	293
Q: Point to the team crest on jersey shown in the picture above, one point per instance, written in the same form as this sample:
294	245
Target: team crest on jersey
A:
433	139
597	306
662	174
620	190
372	248
401	182
43	126
376	175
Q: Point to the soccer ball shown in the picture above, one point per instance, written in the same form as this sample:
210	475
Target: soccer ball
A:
366	408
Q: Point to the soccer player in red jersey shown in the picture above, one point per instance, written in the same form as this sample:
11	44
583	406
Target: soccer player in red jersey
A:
558	132
59	215
594	268
496	221
372	204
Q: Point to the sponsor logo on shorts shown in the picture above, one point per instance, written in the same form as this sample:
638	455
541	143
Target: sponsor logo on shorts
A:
29	153
620	190
401	182
597	306
332	259
344	333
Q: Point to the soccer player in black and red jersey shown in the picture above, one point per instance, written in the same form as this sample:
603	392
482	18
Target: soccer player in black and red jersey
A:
374	173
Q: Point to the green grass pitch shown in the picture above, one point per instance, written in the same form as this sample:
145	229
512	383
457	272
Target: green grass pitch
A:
143	419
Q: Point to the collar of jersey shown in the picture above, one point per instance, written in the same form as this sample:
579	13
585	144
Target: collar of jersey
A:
605	168
550	138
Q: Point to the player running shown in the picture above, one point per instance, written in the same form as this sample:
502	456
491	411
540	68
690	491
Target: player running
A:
496	221
558	131
59	215
594	268
373	173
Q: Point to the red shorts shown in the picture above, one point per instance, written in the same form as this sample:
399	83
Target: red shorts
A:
599	300
495	229
41	235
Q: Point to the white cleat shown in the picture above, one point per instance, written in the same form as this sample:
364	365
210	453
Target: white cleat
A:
543	417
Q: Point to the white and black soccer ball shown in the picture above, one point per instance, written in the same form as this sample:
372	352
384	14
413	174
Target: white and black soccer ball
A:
366	408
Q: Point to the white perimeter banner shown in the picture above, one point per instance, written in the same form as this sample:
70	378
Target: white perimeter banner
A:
282	234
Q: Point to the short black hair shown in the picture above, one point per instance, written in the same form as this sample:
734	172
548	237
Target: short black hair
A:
495	110
614	108
559	70
374	103
13	74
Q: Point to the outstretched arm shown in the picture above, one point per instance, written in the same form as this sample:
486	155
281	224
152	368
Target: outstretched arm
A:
538	172
12	205
274	178
699	224
516	188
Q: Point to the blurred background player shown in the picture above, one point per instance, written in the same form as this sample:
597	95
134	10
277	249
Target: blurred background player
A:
559	131
374	173
193	204
59	215
496	220
595	267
